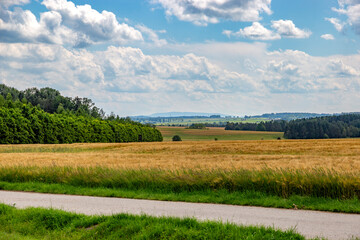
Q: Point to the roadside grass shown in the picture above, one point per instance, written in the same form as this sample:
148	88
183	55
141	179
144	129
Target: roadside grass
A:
209	134
36	223
313	190
246	198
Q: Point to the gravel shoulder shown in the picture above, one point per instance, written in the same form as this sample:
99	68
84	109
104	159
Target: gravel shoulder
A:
307	223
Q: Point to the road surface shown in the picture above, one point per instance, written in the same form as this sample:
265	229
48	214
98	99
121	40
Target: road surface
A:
308	223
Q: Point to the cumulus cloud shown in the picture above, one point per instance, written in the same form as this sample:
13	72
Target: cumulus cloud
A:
327	36
282	28
90	25
202	12
287	29
339	26
256	32
342	69
22	26
66	23
119	69
126	76
189	73
350	8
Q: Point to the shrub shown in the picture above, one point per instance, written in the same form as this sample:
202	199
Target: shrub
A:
176	138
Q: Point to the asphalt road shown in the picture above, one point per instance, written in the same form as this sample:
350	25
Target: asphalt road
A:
307	223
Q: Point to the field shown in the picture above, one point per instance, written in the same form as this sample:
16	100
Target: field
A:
215	132
342	155
308	174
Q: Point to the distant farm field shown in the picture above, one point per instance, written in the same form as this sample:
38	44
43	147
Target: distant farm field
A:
334	154
215	132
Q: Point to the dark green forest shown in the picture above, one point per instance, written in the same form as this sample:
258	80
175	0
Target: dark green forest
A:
341	126
270	126
44	116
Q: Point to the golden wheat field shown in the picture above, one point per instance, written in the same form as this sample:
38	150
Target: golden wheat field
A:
336	154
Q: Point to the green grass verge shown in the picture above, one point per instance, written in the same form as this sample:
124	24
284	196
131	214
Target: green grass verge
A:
36	223
315	190
246	198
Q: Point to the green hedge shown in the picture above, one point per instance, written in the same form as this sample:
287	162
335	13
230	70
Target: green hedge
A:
28	124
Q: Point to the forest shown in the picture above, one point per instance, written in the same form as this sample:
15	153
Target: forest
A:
340	126
270	126
58	119
337	126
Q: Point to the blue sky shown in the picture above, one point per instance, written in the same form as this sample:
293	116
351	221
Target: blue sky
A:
236	57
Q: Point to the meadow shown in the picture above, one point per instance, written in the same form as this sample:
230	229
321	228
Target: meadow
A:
211	133
304	174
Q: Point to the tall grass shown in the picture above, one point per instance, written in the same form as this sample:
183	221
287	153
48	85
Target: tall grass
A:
281	182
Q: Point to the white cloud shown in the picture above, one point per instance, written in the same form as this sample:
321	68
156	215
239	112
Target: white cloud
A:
22	26
8	3
350	8
66	23
202	12
125	79
282	28
339	26
152	35
327	37
90	25
118	69
297	72
287	29
341	69
256	32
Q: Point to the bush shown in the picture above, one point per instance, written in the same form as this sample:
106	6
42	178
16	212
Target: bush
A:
176	138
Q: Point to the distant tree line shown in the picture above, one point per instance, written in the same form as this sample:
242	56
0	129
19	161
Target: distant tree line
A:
197	126
341	126
21	122
288	116
271	126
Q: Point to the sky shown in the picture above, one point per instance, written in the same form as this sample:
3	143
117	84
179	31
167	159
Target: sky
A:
237	57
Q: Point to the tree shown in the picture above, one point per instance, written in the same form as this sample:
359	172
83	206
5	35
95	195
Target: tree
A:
176	138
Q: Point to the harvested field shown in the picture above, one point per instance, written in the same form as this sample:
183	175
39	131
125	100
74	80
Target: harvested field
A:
341	155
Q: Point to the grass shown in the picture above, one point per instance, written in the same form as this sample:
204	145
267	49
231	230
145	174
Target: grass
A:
245	198
211	133
36	223
316	190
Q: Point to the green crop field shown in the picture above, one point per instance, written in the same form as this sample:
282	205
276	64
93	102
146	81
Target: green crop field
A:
215	132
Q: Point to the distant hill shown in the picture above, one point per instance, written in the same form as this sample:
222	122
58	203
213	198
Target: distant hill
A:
183	114
291	115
